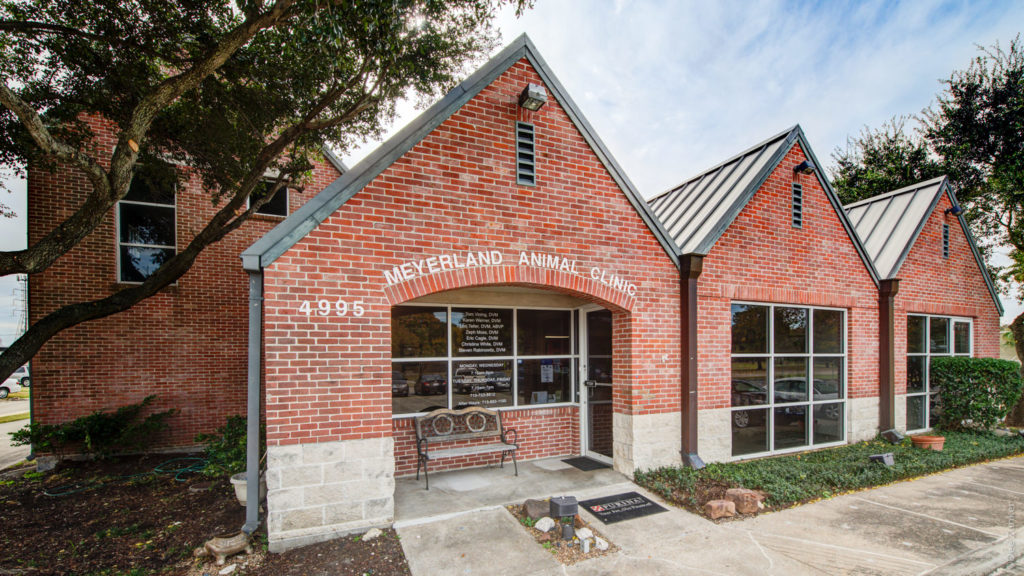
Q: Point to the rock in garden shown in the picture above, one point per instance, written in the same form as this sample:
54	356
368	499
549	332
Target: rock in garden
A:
535	509
371	534
746	501
716	509
584	533
544	524
601	544
228	569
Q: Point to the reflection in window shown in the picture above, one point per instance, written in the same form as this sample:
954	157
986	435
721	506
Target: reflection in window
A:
543	332
419	332
481	332
792	361
146	224
930	337
545	381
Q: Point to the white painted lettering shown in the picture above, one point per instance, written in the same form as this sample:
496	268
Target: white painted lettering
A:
407	271
446	261
419	266
393	277
432	264
471	260
524	260
495	257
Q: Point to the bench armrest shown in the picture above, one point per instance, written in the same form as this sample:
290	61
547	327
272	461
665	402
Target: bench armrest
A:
506	432
421	446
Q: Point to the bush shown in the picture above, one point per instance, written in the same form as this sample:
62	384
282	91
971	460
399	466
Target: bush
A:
978	392
225	450
100	433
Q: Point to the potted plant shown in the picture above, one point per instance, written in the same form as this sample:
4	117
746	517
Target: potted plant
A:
226	454
929	442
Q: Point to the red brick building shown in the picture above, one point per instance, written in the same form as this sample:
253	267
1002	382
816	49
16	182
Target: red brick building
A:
493	254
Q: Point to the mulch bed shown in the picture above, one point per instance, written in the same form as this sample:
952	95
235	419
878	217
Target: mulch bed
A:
552	540
119	519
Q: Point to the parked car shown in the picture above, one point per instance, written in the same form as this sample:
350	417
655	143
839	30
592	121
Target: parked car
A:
399	384
747	393
10	386
22	376
432	384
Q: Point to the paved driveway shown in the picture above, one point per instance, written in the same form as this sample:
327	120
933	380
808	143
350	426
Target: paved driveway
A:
962	522
12	454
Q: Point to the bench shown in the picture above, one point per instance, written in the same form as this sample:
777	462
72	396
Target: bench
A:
444	426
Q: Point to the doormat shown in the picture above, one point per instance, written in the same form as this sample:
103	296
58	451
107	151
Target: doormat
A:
585	464
612	509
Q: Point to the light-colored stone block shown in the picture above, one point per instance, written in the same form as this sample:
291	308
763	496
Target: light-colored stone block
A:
344	471
343	513
325	494
323	452
862	418
901	412
379	508
714	434
284	456
286	499
302	476
301	518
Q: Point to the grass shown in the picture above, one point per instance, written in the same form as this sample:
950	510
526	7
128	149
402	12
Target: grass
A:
798	478
25	393
13	417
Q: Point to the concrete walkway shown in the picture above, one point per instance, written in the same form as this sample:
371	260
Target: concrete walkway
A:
962	522
11	455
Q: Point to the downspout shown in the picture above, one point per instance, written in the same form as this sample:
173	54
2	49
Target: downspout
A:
690	267
252	442
887	290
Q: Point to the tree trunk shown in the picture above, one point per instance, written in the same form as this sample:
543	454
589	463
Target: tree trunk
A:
1016	416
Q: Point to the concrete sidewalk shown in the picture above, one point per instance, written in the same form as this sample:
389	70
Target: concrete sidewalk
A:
961	522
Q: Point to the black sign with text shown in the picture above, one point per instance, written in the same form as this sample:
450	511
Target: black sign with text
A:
611	509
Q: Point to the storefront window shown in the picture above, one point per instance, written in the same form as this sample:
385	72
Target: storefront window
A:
788	377
930	337
497	357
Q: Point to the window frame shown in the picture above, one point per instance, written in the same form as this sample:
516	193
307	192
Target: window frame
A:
117	233
287	203
451	359
928	355
769	355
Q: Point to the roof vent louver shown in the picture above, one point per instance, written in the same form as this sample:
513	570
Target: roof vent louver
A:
798	205
526	169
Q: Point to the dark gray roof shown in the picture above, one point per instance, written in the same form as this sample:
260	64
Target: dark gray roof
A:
334	160
320	207
697	212
889	225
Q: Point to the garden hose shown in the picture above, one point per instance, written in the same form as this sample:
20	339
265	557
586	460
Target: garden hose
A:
179	468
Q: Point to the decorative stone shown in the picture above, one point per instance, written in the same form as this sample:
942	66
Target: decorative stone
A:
200	487
228	569
586	545
545	524
601	544
888	459
371	534
535	509
584	533
221	547
746	501
716	509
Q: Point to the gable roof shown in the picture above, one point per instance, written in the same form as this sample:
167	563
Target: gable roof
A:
304	220
889	225
696	213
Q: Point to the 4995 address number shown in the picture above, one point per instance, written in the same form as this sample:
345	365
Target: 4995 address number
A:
325	308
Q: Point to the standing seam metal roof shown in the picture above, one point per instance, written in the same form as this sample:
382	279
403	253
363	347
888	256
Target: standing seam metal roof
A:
304	220
889	225
697	212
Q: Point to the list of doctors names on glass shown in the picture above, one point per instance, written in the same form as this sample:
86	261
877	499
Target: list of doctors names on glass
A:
483	334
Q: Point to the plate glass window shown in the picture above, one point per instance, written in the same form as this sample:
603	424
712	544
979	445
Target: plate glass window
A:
930	337
493	357
146	235
788	372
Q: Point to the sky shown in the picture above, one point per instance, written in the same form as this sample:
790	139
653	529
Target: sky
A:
674	87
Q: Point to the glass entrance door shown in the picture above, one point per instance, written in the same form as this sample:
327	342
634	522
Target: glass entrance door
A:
596	369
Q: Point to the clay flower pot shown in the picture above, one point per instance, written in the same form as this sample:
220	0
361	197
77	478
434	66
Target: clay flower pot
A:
929	442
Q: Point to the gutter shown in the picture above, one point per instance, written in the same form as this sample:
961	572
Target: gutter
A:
690	268
252	446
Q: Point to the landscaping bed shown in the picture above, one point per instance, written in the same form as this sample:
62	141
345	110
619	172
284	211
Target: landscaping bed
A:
563	551
122	517
795	479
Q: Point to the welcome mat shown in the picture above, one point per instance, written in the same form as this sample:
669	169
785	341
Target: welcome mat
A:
585	464
612	509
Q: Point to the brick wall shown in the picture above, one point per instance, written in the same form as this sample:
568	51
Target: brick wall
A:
187	344
763	258
954	286
454	193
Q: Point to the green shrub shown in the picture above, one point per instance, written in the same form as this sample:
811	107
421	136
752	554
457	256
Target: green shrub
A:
225	449
978	392
100	433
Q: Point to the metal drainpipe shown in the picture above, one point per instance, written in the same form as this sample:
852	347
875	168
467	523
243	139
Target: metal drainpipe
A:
252	446
690	267
887	290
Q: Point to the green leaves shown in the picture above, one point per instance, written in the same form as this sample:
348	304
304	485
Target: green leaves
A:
975	392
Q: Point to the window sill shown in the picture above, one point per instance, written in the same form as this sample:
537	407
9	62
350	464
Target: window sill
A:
267	217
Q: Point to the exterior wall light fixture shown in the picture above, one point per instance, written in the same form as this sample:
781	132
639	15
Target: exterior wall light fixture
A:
805	167
533	97
955	210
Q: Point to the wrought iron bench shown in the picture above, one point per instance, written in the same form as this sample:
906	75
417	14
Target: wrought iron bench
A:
443	426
